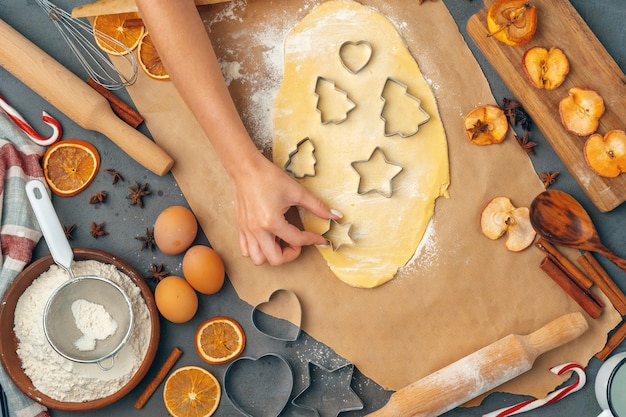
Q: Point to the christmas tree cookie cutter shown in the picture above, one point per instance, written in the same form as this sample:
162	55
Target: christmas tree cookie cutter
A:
401	115
301	162
355	56
379	181
331	110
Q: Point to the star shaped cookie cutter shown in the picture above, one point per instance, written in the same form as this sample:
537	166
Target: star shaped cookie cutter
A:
328	392
400	133
338	234
386	191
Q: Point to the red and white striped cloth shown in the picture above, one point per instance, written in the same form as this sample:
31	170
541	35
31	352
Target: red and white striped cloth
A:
19	231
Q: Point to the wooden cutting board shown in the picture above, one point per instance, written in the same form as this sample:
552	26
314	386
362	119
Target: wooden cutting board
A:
591	66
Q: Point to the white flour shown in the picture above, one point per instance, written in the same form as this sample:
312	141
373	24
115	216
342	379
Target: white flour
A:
57	377
94	322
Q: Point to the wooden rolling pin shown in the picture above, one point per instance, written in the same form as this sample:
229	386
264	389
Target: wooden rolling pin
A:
481	371
119	6
72	96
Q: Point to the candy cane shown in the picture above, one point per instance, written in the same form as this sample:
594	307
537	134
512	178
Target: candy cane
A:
32	134
551	398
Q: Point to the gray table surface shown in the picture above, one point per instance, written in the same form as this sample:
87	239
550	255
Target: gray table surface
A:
124	222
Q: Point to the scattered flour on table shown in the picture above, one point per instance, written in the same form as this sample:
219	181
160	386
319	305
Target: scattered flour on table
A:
62	379
94	322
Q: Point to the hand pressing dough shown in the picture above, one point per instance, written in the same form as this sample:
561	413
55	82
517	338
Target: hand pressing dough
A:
360	52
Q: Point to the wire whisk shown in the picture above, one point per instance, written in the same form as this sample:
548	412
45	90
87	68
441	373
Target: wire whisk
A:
80	36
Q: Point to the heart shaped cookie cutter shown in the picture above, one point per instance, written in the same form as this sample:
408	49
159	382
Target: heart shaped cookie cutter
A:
259	387
355	56
280	316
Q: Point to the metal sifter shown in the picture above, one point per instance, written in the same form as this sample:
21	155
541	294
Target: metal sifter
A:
59	322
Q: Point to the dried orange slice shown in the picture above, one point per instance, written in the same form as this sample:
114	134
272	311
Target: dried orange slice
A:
191	391
149	59
219	340
69	166
118	27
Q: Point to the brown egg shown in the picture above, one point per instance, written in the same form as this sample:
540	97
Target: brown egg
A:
175	230
176	299
203	269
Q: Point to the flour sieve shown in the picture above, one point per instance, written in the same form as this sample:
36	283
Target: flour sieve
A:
60	322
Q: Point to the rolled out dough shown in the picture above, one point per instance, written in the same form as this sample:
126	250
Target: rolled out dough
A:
384	161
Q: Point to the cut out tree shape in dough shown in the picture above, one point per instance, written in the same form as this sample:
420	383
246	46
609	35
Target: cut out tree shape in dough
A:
301	162
333	104
402	111
338	234
376	174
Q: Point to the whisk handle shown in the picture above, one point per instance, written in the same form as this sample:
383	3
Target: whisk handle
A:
77	100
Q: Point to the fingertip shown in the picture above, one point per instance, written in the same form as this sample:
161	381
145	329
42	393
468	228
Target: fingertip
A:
336	213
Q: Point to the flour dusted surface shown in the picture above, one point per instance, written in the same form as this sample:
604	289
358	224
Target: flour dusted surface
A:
57	377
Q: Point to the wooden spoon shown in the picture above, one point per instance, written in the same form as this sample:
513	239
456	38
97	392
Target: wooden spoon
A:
559	218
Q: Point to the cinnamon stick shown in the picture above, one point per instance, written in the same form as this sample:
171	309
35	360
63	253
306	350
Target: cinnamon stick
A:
158	378
582	296
614	341
575	273
123	110
602	279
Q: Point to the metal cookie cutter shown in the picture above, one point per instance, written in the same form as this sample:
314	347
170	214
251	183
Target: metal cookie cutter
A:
325	118
259	387
418	123
279	317
380	185
338	234
355	56
328	392
297	163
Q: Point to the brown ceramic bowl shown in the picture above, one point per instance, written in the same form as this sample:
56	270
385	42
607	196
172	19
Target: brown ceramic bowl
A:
8	341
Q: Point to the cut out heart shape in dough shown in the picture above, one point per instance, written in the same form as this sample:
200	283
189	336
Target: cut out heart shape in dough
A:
355	55
280	316
259	387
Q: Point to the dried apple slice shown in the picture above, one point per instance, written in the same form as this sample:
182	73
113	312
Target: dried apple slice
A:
545	68
581	111
513	22
500	217
486	125
606	155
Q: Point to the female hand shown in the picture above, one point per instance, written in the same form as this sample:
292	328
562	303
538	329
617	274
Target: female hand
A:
263	195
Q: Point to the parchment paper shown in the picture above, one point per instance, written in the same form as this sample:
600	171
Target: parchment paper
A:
461	291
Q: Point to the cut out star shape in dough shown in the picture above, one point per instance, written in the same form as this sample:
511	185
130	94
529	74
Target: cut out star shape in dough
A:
329	392
338	234
376	174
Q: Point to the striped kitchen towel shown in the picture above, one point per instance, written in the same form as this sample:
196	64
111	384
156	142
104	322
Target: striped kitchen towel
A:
19	232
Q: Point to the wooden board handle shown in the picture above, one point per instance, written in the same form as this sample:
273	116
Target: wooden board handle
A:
72	96
481	371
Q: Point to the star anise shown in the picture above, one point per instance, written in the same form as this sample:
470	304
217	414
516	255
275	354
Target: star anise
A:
478	128
97	230
147	241
98	198
515	113
68	231
116	176
548	178
157	273
526	144
137	192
